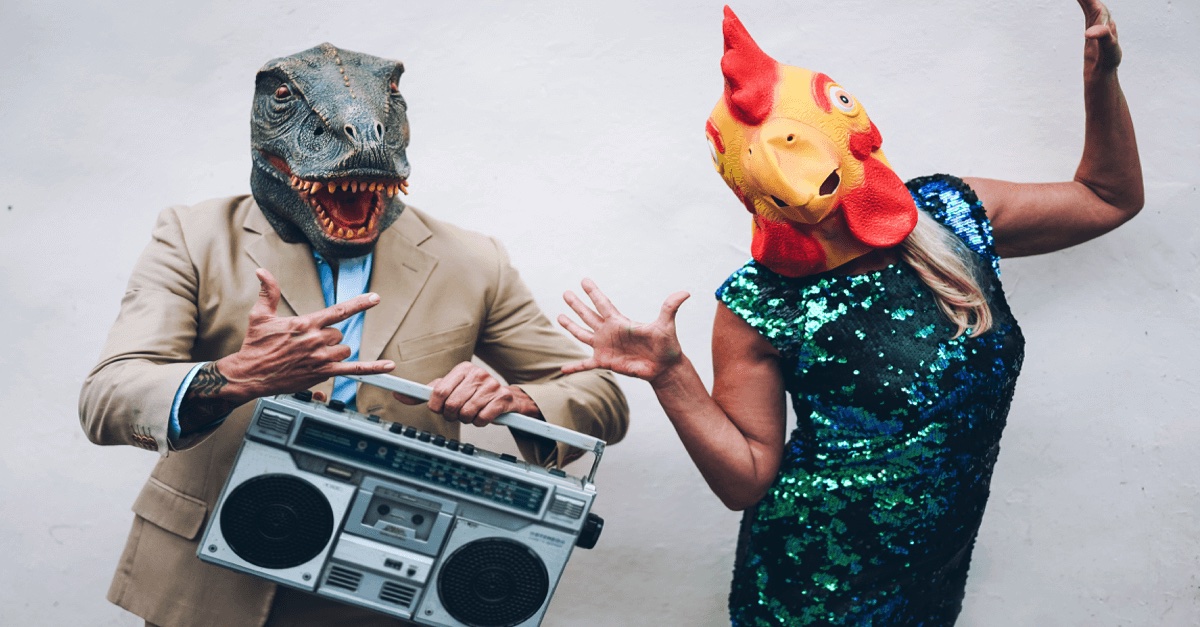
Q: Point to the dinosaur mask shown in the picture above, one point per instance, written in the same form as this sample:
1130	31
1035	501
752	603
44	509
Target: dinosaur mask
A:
328	134
803	157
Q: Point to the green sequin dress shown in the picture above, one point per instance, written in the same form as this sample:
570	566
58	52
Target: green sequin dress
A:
883	483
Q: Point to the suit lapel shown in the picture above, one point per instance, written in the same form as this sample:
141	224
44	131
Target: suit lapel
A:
292	265
400	271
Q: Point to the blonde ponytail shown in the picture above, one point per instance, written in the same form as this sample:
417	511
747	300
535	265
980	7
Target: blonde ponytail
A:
942	261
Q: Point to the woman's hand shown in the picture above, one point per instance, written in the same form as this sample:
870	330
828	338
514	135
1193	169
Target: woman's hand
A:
645	351
1102	50
1036	218
735	435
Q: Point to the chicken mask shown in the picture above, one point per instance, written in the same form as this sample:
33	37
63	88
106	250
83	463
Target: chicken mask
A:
803	157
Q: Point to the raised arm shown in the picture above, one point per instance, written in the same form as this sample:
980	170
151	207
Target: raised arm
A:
735	435
1035	218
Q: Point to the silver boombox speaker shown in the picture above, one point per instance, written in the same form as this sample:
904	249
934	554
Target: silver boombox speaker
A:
398	520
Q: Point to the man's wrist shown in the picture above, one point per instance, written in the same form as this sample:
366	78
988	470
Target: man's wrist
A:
208	399
525	404
227	384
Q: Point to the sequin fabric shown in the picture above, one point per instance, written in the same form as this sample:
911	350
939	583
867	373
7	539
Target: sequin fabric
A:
883	483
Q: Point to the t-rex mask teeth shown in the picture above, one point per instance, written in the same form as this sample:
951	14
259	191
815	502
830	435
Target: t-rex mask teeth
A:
345	208
348	208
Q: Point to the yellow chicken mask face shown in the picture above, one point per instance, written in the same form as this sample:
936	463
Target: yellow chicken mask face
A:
803	157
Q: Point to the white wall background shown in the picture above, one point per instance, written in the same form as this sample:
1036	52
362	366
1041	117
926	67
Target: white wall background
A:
574	132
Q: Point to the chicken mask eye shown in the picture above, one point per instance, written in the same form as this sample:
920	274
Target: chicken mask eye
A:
841	99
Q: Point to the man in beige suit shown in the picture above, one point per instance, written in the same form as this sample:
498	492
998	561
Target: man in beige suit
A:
238	298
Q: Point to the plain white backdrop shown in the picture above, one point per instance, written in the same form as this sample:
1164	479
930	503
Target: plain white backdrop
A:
574	132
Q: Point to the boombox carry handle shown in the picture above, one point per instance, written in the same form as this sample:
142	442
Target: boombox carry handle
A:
516	421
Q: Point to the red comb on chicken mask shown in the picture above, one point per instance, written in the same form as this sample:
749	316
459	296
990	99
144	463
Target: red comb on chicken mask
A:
803	157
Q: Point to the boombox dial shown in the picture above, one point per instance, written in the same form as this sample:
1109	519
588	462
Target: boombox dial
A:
590	534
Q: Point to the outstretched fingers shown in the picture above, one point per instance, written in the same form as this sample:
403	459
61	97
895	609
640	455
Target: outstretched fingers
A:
603	306
671	306
342	311
585	313
580	333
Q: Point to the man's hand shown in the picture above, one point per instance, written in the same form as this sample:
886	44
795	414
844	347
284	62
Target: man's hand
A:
289	354
470	395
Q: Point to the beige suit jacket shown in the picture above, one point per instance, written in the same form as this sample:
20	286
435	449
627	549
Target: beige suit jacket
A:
447	294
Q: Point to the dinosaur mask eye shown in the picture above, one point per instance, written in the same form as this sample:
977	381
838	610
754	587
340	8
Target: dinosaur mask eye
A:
841	99
283	92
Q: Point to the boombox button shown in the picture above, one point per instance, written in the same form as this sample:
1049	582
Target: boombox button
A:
410	432
373	418
337	405
424	436
558	472
508	457
468	448
452	445
395	427
304	395
439	440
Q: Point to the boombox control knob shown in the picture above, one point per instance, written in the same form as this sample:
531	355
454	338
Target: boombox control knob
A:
337	405
592	526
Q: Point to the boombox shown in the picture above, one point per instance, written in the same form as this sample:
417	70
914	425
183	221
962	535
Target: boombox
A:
399	520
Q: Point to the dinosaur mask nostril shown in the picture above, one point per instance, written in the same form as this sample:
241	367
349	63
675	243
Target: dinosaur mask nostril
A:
349	130
378	130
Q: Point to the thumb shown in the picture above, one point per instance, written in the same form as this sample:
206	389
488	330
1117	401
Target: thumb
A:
1099	31
268	293
407	400
671	306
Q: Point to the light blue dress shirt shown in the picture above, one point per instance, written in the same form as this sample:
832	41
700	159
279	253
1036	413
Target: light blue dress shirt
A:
353	277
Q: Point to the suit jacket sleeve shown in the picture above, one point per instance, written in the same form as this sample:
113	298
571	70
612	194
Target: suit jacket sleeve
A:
127	397
521	344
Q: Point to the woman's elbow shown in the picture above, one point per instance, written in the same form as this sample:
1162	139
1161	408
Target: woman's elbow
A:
1117	205
742	499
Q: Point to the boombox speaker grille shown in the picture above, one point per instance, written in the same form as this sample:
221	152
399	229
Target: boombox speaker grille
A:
493	582
276	521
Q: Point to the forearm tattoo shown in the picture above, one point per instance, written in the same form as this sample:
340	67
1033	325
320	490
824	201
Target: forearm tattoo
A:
201	405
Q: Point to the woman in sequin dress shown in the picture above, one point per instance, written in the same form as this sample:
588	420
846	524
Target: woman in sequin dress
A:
893	340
